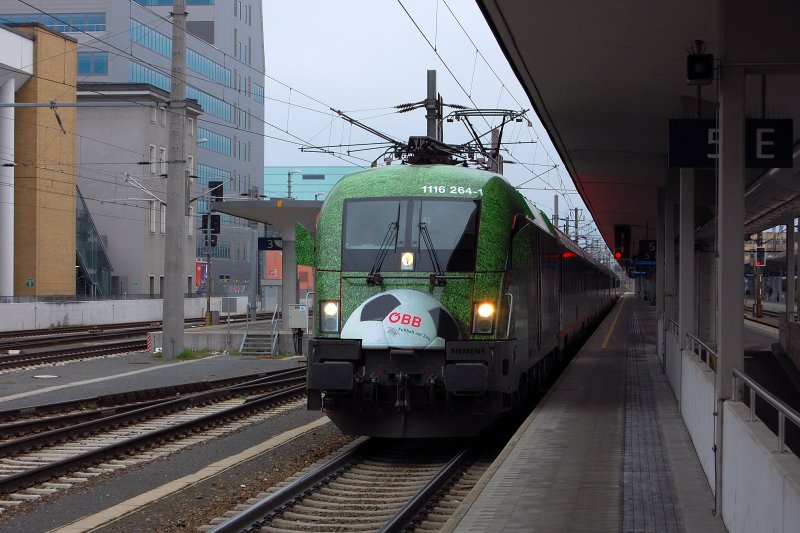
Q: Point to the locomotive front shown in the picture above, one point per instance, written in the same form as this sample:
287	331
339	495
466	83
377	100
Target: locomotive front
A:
410	302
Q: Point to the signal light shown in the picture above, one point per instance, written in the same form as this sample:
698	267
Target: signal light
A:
622	241
760	260
700	69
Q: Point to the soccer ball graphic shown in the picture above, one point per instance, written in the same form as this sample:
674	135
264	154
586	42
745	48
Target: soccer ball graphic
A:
401	318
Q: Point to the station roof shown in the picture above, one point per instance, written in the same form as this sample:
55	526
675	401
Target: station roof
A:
605	77
281	213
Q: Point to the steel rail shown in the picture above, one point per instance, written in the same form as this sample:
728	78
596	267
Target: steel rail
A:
123	398
254	515
15	361
112	404
93	426
46	472
121	325
72	338
401	520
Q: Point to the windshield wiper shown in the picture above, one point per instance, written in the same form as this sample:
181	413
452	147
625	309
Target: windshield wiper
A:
438	277
374	276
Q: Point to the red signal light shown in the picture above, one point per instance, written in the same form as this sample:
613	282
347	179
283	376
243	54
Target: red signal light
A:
617	255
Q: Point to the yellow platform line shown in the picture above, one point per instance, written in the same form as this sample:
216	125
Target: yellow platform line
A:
613	324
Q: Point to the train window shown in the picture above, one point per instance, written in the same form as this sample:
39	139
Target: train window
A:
453	229
451	224
368	224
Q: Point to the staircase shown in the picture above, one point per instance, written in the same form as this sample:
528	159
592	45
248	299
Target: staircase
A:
260	344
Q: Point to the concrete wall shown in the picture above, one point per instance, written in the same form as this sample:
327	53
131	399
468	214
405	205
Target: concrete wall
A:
42	315
789	335
697	409
673	363
136	249
44	191
761	487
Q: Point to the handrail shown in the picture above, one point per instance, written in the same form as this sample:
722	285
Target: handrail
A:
274	325
695	343
510	311
673	327
309	307
784	411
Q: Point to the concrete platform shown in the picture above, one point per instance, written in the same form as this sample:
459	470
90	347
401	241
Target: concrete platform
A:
228	337
606	449
109	375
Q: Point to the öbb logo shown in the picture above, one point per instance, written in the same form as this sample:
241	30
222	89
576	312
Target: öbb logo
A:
405	319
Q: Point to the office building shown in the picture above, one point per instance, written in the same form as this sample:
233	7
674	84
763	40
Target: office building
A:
130	42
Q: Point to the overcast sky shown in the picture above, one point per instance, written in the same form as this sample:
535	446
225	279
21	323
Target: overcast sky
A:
365	56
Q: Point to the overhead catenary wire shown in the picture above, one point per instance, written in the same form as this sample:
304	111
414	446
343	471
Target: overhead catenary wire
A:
300	141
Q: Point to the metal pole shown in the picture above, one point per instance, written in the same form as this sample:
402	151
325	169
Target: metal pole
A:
790	266
174	260
289	185
576	224
430	105
207	237
254	272
555	210
759	279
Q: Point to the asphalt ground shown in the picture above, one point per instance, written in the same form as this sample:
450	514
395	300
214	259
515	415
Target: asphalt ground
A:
108	375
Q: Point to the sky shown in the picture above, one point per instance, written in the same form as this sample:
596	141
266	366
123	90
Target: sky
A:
365	56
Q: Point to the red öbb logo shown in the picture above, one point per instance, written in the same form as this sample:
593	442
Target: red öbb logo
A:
405	319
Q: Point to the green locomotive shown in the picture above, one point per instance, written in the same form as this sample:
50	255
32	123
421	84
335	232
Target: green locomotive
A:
442	296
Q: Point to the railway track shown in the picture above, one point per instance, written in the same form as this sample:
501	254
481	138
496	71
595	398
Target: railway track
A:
13	362
34	419
43	338
372	485
57	459
76	343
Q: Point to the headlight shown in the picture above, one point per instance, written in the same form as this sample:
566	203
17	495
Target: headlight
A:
330	316
483	321
407	261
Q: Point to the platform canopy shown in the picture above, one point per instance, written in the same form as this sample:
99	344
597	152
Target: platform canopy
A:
281	213
606	76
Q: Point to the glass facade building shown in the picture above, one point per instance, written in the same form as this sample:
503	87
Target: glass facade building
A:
131	42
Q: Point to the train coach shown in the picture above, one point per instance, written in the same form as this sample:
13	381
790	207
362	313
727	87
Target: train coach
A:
443	297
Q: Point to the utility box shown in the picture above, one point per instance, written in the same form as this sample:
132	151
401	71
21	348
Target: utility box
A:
297	316
229	306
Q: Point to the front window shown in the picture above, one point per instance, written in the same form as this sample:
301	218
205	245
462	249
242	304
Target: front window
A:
400	227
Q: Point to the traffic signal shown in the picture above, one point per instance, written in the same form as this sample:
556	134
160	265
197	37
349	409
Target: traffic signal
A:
210	221
215	190
760	259
622	241
699	69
